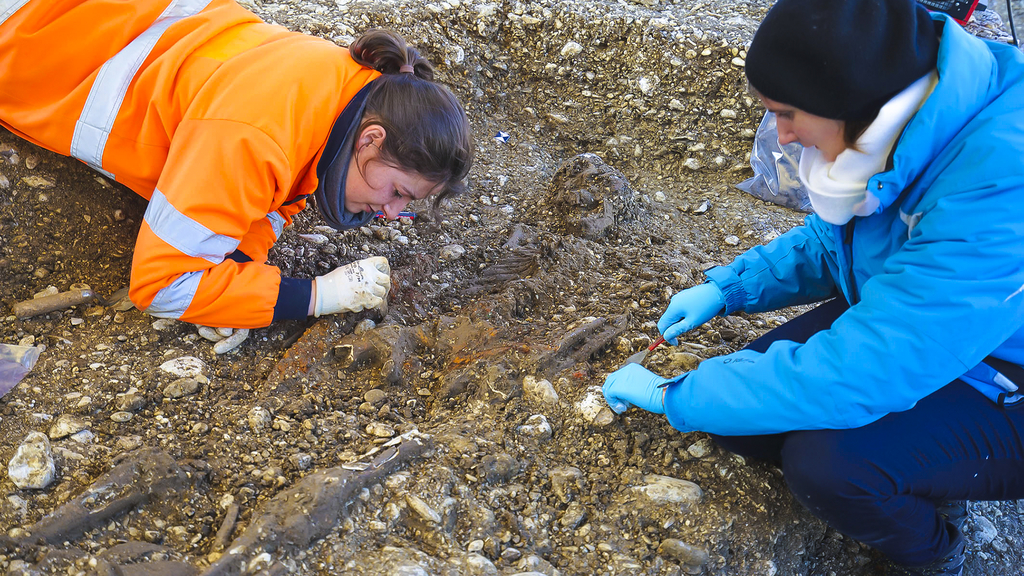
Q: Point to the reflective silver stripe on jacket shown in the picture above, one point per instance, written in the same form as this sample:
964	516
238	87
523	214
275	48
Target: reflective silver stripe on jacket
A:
9	7
194	239
185	234
188	237
277	223
172	300
111	84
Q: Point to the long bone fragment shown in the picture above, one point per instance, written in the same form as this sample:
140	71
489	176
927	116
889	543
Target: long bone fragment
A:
143	475
46	304
582	343
296	517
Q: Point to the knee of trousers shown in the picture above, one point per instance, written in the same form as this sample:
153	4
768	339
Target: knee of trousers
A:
823	471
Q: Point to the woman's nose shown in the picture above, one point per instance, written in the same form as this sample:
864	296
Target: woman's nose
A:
786	134
392	209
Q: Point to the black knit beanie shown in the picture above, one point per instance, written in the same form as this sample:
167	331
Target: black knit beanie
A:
841	59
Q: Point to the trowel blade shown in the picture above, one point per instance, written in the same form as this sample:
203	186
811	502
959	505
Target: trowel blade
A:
640	356
637	358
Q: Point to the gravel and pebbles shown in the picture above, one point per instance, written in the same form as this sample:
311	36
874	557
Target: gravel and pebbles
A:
507	311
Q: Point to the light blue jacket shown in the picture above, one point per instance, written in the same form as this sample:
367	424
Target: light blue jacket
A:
936	276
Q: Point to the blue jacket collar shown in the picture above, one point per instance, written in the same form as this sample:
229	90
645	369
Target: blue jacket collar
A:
966	69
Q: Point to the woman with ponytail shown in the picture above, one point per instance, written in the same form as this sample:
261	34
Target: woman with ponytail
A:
227	125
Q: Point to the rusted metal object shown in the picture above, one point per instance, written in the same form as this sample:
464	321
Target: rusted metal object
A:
47	304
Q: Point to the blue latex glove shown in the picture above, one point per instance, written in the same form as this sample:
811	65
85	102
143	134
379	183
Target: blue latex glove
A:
634	385
690	308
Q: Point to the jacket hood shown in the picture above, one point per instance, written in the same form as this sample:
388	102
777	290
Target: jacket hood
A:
963	90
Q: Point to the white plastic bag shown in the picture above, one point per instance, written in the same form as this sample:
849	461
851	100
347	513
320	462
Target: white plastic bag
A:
776	178
15	363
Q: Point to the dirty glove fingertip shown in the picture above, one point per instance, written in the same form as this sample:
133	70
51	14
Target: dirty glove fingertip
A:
617	406
381	263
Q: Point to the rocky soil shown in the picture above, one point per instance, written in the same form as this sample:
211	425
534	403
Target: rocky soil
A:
461	432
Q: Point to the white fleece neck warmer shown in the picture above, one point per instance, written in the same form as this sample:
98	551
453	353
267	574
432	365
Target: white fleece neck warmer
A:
838	190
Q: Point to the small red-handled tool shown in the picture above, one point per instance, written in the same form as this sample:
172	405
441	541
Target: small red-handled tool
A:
403	214
640	356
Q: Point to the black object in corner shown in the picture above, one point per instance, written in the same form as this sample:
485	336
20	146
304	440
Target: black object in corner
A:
960	10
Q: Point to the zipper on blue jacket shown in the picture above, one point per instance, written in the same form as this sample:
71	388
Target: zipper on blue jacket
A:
848	244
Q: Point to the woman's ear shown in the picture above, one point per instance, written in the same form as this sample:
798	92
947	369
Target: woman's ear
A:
371	135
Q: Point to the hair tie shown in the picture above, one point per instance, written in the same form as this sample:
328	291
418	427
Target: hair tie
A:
406	69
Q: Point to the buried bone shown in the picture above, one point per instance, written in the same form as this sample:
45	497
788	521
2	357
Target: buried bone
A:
52	303
308	511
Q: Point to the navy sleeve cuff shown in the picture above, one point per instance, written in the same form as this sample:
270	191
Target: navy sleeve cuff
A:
293	299
238	256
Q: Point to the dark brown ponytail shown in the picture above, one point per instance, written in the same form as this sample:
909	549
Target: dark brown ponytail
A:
386	52
427	129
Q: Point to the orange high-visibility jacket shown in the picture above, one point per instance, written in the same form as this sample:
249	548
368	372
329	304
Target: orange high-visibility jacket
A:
215	117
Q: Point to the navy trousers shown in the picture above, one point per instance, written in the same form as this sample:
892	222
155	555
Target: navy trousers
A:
880	483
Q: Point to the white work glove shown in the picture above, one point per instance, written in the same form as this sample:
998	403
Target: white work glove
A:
224	339
361	285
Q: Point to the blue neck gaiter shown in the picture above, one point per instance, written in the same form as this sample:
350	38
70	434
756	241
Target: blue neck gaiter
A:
332	169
